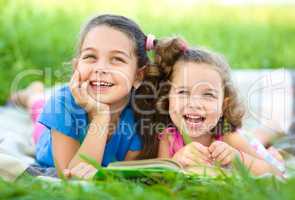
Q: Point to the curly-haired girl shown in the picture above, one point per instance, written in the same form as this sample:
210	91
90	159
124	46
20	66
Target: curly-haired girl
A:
197	99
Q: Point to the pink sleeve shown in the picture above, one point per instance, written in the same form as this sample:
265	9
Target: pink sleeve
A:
35	112
177	141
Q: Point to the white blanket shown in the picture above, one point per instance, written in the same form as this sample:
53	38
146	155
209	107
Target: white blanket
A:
16	145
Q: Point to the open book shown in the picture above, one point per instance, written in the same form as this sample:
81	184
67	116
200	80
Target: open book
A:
140	168
155	168
163	164
149	167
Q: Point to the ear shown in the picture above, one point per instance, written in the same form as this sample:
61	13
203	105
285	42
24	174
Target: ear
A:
139	77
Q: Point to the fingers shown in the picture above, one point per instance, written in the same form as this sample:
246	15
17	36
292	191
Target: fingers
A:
87	172
75	86
214	145
79	90
202	153
87	104
225	157
84	87
80	170
83	171
76	171
185	161
197	159
90	174
190	155
195	154
217	148
184	157
188	160
67	173
222	152
76	79
217	151
202	149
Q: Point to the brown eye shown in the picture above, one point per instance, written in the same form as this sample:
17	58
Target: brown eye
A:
209	95
183	92
118	60
88	57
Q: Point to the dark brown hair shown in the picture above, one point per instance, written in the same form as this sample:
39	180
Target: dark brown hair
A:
123	24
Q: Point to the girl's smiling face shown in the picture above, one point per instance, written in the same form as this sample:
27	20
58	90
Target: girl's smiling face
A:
195	98
108	62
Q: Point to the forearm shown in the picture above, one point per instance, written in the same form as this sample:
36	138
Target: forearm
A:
257	166
93	144
163	151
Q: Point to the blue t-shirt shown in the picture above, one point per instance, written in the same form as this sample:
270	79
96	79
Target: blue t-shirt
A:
63	114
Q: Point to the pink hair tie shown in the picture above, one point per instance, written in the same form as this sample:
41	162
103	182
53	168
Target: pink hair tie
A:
149	44
183	46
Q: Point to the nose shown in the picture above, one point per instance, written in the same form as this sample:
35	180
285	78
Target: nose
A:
194	102
100	71
101	67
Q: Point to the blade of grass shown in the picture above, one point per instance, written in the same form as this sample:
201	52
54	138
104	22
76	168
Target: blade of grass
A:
184	133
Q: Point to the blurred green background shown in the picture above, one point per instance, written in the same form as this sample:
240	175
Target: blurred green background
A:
37	38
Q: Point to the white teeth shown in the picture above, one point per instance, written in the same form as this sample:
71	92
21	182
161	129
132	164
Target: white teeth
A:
193	116
101	83
94	83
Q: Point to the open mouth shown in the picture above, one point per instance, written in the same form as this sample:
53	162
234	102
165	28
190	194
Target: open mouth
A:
101	85
193	120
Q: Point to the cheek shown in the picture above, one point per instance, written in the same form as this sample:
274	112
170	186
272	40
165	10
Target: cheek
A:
176	107
214	107
172	103
125	78
173	107
85	72
214	110
175	116
176	103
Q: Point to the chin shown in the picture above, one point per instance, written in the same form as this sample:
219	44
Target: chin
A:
102	98
109	99
196	133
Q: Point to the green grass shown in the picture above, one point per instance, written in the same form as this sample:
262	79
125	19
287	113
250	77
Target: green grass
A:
240	186
37	39
39	35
